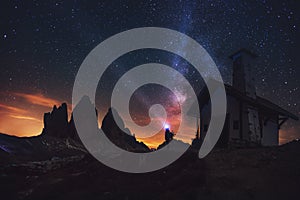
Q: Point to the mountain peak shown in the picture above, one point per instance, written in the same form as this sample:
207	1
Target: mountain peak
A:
56	121
119	134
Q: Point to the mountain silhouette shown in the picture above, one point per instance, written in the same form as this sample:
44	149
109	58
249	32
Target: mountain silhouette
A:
56	124
121	136
54	165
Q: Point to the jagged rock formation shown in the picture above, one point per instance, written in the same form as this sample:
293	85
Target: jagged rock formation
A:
81	110
118	136
56	124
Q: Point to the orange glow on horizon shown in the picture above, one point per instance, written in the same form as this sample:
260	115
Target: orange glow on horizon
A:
21	126
24	115
287	134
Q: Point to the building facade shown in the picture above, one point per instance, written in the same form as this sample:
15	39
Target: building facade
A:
250	119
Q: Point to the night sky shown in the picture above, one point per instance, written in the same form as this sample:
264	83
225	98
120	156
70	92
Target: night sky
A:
43	43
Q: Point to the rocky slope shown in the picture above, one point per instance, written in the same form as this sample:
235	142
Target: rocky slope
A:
55	165
252	173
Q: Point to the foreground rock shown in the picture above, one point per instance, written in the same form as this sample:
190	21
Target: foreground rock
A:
253	173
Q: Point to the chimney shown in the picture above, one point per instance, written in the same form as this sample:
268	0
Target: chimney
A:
243	79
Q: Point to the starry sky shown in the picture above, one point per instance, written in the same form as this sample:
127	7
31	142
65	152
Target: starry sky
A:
43	43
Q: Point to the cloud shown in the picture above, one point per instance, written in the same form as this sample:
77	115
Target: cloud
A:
25	118
8	108
38	99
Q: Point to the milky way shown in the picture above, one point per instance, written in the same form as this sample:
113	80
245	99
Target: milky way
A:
43	43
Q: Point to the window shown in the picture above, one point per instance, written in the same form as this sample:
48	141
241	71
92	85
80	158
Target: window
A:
236	124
